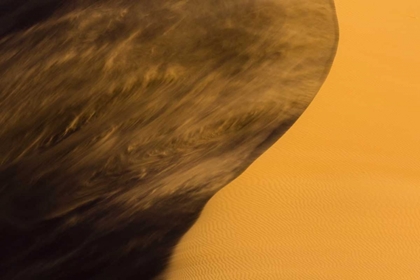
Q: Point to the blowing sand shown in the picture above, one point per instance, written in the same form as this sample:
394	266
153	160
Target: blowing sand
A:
119	120
338	196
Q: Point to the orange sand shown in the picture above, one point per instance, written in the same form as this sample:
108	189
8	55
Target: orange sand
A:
338	197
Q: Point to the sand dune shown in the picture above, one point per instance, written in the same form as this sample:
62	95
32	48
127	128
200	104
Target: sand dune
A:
338	196
121	119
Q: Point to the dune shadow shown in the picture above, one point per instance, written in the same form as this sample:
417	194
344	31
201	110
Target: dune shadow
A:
121	119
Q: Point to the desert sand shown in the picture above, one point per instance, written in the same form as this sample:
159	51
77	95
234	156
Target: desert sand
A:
337	197
121	119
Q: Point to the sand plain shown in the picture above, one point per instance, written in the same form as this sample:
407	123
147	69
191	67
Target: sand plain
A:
337	197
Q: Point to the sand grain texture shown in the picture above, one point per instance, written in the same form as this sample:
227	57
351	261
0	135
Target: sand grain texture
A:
337	197
121	119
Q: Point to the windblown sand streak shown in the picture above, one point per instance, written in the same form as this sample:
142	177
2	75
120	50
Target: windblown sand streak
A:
121	119
337	197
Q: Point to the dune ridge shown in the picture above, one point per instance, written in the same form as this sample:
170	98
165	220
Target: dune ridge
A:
337	196
121	119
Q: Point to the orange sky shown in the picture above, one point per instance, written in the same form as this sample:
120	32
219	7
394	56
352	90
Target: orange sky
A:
338	196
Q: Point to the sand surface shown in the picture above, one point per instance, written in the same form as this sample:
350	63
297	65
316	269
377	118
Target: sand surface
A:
338	196
121	119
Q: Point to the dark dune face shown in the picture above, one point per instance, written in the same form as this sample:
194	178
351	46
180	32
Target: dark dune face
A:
120	119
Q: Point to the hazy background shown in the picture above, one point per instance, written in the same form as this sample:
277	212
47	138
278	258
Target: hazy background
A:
338	196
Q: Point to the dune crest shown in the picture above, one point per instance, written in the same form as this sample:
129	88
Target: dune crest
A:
121	119
337	197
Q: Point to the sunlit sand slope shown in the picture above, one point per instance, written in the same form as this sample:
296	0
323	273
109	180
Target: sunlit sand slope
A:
121	119
338	196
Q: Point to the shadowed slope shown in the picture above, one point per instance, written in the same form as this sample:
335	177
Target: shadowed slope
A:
17	15
337	197
120	119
